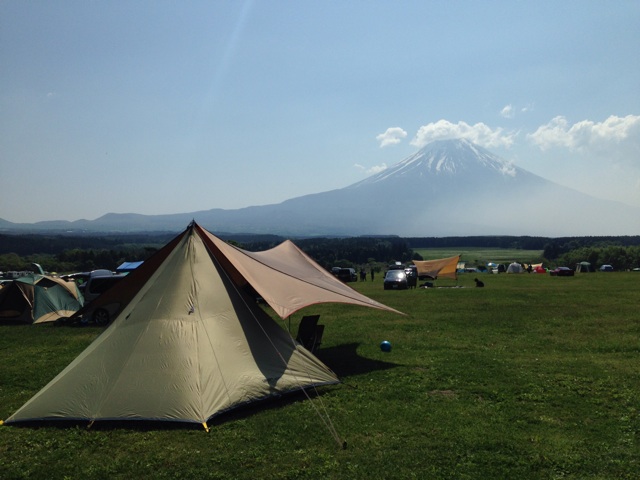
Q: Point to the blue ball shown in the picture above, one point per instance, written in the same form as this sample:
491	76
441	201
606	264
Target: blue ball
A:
385	346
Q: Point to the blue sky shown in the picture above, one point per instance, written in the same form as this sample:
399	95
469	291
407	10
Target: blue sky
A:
166	107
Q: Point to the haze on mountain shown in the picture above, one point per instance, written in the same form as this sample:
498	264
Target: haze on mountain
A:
447	188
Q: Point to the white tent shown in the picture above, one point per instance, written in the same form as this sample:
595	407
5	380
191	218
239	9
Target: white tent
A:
514	267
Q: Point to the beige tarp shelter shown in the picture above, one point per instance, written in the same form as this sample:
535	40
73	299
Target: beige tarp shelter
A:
441	268
190	341
38	299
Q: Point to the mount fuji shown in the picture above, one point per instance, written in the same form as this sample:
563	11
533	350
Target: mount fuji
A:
448	188
457	188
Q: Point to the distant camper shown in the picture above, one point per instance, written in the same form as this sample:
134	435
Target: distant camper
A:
479	283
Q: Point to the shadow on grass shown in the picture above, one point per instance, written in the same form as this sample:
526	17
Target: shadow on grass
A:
345	361
342	359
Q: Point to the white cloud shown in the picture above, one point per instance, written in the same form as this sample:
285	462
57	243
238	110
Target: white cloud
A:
587	134
478	133
377	168
391	136
507	111
371	170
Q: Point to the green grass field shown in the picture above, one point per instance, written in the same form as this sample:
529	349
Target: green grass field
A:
480	256
531	377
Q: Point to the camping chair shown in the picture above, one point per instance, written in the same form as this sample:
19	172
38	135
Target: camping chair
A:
310	333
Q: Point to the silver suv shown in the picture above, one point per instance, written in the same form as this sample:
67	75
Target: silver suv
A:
99	282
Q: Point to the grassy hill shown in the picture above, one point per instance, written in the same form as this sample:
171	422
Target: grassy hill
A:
531	377
482	255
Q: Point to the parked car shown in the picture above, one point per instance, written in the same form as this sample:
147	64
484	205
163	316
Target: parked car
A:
347	275
98	284
562	272
93	288
396	279
606	268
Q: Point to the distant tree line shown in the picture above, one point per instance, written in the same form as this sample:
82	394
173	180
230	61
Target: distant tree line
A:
29	244
61	253
619	257
66	254
76	259
357	251
557	247
553	247
489	241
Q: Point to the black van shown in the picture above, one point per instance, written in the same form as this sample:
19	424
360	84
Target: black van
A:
347	275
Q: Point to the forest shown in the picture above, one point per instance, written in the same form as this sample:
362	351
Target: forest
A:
66	253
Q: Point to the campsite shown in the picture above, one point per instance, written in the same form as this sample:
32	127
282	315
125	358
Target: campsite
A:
532	376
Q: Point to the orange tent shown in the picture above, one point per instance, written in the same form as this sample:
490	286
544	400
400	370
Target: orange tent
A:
441	268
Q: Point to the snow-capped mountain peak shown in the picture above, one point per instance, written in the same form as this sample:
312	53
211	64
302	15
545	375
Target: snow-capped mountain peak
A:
447	158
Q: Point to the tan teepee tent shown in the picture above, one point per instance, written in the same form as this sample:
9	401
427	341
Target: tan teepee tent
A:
189	342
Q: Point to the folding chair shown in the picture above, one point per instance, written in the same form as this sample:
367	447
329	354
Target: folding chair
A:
310	333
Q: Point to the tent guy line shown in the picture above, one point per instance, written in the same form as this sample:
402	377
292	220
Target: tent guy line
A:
324	414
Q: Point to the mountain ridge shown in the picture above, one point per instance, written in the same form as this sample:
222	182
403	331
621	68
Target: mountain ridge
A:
447	188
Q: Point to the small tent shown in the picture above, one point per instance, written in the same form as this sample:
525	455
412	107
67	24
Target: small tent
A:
441	268
38	299
584	267
537	268
514	267
190	341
